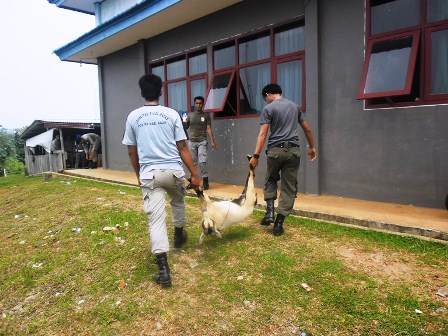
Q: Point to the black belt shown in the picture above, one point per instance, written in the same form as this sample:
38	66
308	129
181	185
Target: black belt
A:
286	144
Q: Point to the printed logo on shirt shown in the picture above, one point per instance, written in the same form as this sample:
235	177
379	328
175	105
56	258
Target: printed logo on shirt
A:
140	122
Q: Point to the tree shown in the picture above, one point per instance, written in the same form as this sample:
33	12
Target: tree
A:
12	154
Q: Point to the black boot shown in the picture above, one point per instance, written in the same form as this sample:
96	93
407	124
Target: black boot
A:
163	277
94	165
180	237
88	164
205	183
268	218
278	225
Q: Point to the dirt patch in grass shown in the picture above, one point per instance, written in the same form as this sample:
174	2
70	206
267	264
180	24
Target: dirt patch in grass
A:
377	263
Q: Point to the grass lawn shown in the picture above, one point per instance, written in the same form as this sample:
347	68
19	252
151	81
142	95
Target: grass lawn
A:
62	274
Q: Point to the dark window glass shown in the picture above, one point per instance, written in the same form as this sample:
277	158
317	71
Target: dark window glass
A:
252	80
437	10
439	62
224	58
388	66
393	15
254	50
289	41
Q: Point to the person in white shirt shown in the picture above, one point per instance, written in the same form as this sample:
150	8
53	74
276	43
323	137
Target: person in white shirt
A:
157	147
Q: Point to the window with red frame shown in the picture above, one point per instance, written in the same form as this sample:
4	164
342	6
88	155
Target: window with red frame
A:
184	77
244	65
406	59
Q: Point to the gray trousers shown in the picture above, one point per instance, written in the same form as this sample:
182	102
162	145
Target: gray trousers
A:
154	188
282	165
199	155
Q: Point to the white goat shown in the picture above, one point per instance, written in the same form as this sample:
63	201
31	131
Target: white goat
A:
219	215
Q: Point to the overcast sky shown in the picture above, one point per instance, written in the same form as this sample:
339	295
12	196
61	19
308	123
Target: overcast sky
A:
34	83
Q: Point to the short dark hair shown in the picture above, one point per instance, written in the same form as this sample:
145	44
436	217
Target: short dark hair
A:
150	87
198	98
272	88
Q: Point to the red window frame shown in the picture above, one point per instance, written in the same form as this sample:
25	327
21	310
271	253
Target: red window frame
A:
428	66
209	88
272	59
285	59
410	71
421	83
188	78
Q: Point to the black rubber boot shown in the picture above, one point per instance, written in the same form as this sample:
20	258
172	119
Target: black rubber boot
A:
278	225
88	164
94	165
268	218
180	237
163	277
205	183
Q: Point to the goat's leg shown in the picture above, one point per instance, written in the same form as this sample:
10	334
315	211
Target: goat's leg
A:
217	233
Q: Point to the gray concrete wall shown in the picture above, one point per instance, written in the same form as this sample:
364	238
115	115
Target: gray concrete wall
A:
235	137
120	95
238	19
392	155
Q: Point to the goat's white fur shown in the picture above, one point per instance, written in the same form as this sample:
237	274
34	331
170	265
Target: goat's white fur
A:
219	215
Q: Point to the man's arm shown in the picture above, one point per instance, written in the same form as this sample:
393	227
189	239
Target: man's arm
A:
133	157
185	155
260	144
210	135
86	149
310	138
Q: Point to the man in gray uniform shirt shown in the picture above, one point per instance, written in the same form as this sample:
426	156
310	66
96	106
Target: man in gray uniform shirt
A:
282	117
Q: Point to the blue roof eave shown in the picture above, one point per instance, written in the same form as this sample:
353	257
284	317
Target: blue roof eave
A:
61	4
132	16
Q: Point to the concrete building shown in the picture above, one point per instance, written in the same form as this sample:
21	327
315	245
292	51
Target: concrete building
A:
371	75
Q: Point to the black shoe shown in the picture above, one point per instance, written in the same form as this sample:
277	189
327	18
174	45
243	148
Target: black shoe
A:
268	218
163	277
205	183
180	237
278	225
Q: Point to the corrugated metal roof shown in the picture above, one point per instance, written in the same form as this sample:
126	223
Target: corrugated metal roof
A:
40	126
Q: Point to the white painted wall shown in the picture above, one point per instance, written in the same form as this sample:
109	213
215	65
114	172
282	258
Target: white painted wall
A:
112	8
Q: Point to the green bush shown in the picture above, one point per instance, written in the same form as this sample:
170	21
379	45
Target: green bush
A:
14	167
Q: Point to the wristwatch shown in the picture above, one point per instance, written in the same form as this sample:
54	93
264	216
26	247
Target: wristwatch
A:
257	156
